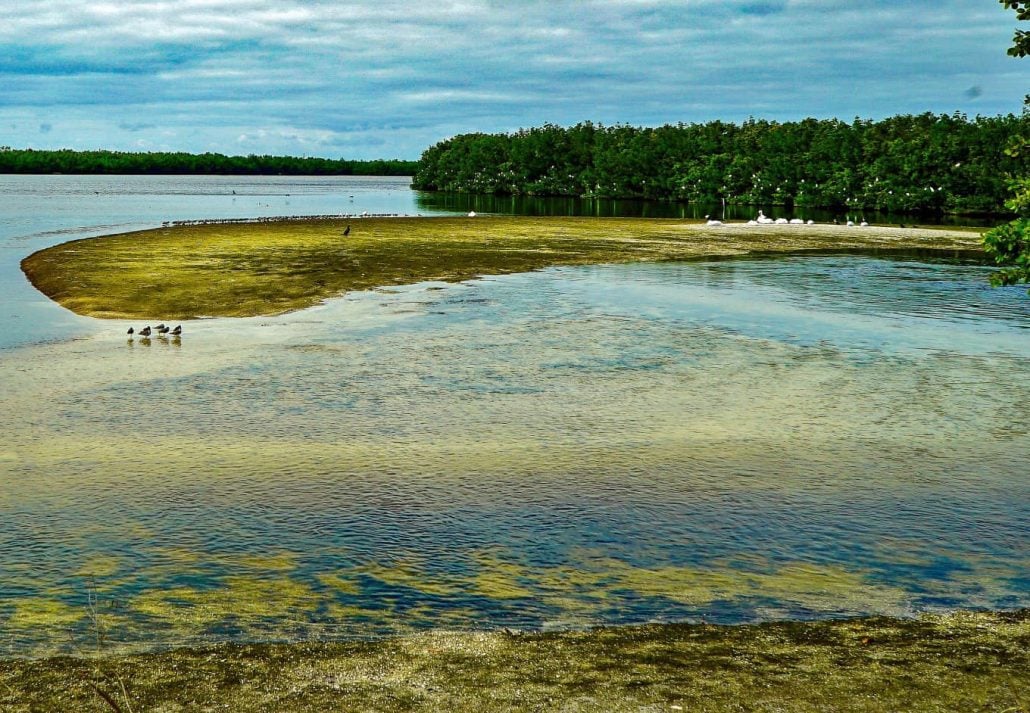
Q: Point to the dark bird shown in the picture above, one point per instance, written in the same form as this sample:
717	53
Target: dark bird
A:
131	330
160	327
145	332
347	231
177	331
163	329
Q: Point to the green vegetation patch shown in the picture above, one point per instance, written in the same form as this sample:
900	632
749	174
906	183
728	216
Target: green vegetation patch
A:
906	163
164	162
956	662
251	269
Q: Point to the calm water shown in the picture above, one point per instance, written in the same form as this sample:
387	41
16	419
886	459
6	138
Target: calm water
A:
730	440
603	207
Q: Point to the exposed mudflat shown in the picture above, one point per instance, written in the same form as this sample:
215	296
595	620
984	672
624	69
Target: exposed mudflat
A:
248	269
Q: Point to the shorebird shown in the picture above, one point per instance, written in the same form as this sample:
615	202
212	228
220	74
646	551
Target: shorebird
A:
131	330
163	329
160	327
177	331
346	231
145	332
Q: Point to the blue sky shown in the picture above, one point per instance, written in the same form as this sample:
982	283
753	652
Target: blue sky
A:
385	78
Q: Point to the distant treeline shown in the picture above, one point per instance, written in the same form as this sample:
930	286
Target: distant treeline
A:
118	162
946	163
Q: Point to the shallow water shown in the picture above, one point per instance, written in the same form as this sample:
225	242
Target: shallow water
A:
37	211
729	440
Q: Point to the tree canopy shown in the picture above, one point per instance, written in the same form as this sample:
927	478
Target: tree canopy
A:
118	162
926	162
1009	244
1021	39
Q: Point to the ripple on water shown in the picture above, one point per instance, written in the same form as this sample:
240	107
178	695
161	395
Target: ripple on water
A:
732	440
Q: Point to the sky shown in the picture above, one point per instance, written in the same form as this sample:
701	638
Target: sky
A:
367	79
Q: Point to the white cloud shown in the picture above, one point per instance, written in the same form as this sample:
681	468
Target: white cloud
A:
313	76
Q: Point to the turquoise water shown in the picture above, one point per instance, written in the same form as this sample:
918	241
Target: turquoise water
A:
731	440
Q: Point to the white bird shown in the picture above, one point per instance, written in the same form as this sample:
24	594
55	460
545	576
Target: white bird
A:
864	224
712	221
796	221
472	214
762	220
811	222
851	223
782	221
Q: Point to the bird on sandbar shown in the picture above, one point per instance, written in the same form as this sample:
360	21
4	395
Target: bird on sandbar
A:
145	332
177	331
346	231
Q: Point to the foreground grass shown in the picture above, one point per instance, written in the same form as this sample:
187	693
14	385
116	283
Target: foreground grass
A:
249	269
958	662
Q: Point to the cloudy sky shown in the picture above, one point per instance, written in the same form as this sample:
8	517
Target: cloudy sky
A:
387	78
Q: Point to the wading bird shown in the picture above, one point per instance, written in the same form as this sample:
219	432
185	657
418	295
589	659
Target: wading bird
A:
145	332
177	331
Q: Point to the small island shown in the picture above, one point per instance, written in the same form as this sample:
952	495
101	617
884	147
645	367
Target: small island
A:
244	269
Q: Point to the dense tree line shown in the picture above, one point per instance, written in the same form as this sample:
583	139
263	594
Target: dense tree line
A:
1009	244
118	162
944	163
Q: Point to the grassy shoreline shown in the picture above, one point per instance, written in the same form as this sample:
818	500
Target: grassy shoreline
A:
264	268
962	661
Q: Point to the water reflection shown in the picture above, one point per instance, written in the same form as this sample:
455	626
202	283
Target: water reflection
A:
637	208
733	440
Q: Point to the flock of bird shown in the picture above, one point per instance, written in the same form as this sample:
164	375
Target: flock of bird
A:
763	219
159	330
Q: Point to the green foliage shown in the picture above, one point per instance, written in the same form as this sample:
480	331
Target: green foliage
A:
1021	39
118	162
945	163
1009	244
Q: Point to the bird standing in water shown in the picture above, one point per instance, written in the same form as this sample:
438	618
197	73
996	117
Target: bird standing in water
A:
130	332
145	332
177	331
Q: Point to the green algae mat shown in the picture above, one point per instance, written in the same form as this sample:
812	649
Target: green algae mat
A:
261	268
957	662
